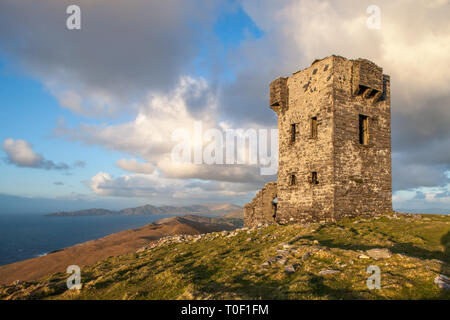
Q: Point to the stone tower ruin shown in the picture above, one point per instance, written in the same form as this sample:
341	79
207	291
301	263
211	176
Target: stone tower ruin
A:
334	131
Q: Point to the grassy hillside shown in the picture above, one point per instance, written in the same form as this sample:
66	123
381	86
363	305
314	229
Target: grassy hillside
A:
274	262
119	243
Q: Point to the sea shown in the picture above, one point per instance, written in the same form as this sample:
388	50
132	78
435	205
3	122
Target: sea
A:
28	236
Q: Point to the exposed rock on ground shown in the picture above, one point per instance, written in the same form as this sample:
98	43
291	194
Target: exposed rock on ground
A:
442	282
378	254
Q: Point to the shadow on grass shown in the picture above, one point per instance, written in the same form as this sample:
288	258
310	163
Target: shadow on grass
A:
320	289
203	280
407	248
182	258
262	288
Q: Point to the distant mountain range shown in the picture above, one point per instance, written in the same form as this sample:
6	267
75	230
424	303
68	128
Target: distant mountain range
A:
213	209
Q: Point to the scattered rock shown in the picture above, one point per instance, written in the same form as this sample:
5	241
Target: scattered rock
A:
281	261
142	249
316	242
283	252
443	282
327	272
363	256
289	268
272	260
378	254
437	261
306	256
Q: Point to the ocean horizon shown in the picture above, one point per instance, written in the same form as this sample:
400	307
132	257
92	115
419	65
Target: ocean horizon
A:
27	236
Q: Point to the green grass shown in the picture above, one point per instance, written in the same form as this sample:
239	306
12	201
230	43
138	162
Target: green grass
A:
230	268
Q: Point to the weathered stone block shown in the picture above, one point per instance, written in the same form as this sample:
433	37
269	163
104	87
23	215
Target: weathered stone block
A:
279	94
367	78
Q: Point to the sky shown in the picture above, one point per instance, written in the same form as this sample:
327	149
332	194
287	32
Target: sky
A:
87	116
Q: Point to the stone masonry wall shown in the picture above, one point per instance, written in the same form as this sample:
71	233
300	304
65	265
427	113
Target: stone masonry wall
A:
353	178
310	95
261	209
362	172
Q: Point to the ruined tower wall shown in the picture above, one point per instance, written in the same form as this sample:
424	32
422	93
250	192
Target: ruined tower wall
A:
310	94
261	209
351	153
362	172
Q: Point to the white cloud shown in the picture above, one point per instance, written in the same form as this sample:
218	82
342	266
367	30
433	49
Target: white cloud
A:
229	173
93	104
412	47
123	49
428	200
132	165
105	75
436	3
149	135
20	152
156	187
